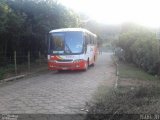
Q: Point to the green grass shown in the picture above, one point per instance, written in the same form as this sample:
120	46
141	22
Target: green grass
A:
9	70
101	92
142	99
127	70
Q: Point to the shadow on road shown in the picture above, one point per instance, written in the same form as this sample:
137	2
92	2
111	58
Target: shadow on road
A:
72	71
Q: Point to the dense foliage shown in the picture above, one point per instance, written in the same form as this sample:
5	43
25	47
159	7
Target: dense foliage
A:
24	25
139	46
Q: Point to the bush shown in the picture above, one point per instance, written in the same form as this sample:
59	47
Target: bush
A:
140	47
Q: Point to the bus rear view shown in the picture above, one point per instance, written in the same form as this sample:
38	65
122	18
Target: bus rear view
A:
68	49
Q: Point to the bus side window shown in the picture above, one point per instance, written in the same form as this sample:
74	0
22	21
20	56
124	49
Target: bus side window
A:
86	43
95	40
91	40
88	39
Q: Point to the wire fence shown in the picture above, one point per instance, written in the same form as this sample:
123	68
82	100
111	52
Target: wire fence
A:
12	64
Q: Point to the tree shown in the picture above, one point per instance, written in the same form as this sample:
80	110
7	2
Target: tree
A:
25	24
140	47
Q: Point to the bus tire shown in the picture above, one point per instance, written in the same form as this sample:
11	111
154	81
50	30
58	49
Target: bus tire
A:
94	61
86	66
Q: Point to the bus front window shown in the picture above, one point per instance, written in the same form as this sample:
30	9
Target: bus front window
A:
57	43
66	43
74	42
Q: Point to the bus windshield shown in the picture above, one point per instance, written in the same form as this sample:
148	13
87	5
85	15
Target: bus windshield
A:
66	43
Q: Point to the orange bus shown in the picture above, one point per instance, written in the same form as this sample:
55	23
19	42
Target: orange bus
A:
71	49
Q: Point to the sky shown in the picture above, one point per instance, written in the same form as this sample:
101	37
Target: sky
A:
143	12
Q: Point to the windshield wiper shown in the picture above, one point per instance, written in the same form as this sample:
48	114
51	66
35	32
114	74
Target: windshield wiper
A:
68	49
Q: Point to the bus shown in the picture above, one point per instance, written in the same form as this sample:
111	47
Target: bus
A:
71	49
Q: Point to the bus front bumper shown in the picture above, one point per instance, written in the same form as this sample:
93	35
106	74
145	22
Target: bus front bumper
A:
79	65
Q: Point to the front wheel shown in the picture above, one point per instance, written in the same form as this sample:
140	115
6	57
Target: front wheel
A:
86	66
94	61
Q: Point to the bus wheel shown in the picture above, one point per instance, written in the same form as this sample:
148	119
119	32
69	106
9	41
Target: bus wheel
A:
94	61
86	66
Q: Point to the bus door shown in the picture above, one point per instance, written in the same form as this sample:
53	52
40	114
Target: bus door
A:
89	47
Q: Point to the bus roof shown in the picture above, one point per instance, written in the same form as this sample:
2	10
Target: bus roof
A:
71	30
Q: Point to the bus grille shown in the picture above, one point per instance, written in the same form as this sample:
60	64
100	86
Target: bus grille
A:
69	60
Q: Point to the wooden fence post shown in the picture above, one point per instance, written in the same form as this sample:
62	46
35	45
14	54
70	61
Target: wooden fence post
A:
15	62
29	64
39	58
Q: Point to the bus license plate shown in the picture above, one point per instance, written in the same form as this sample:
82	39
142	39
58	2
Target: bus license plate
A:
64	68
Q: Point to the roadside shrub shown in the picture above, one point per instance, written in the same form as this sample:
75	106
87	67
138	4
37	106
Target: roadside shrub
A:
140	47
116	103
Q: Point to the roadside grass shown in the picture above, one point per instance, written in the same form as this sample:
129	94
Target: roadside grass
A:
9	70
127	70
126	99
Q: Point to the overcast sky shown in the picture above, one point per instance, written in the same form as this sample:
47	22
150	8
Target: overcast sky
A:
145	12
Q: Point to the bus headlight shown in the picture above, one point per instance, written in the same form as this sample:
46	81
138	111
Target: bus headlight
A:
78	60
49	57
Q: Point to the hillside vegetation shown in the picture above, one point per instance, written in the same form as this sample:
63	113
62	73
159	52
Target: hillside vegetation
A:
138	45
24	25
